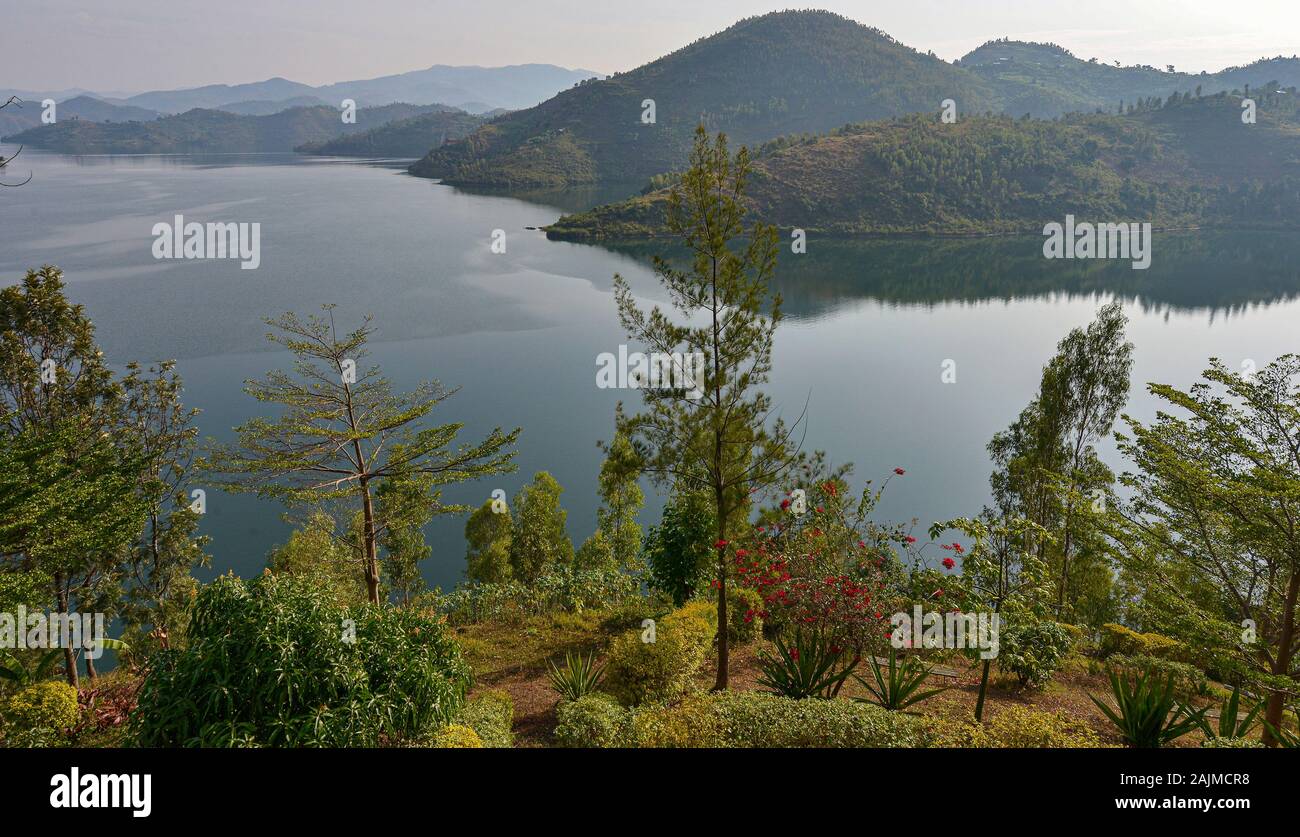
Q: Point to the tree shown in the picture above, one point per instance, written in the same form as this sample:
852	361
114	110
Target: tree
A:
319	553
678	551
621	500
712	436
999	573
404	511
538	540
487	559
1048	469
1213	527
68	504
342	431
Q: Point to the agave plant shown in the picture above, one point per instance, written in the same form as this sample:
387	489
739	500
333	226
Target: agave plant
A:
1284	736
580	676
1147	715
812	667
1229	725
895	686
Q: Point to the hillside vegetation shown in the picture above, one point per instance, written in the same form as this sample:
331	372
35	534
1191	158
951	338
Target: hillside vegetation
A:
786	73
400	138
1186	162
211	131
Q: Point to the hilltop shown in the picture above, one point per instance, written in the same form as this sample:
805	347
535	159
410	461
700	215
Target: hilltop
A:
1186	162
400	138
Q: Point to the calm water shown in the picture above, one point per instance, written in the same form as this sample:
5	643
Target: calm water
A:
868	323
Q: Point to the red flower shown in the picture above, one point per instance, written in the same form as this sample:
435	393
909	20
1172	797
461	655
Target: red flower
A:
899	471
911	539
948	563
794	653
785	504
720	544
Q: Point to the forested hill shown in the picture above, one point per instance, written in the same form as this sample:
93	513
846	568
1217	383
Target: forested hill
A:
401	138
1183	161
1048	80
762	78
213	131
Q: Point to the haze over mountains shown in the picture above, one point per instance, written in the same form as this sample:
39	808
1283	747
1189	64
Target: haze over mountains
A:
790	72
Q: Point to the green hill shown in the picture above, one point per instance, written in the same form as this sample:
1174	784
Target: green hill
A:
1188	162
400	138
762	78
212	131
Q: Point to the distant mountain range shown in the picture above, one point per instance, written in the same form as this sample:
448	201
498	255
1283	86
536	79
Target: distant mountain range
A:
214	131
801	72
27	113
1180	162
474	89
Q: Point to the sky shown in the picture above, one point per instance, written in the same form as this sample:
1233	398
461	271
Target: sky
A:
135	45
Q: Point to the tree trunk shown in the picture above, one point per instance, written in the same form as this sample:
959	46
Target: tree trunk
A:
721	682
1282	663
984	688
368	535
69	659
90	669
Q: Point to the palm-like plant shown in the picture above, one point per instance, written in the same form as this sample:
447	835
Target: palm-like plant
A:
580	676
1284	736
1229	726
895	686
13	670
1147	715
812	667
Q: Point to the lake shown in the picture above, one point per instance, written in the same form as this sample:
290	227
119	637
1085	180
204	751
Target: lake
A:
869	324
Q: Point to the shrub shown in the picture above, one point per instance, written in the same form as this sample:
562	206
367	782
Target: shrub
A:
41	710
457	736
1146	714
596	720
679	551
491	715
638	672
1032	650
561	589
1117	639
1018	726
269	664
1188	679
812	667
1232	743
744	614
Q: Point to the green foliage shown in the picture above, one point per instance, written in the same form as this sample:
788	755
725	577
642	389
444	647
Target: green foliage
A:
410	137
39	708
273	663
578	677
638	672
1221	743
621	500
678	551
744	619
491	715
457	736
564	589
487	533
1147	715
1188	679
327	559
1229	725
1119	639
402	511
538	541
1017	727
895	687
596	720
1033	650
812	667
740	719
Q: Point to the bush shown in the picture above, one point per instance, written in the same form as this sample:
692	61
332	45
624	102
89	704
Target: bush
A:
638	672
596	720
1117	639
1032	650
744	624
1188	679
1232	743
679	551
758	720
458	737
491	715
41	710
1022	727
273	662
562	589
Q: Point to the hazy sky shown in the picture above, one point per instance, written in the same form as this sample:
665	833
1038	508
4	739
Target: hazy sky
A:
136	45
